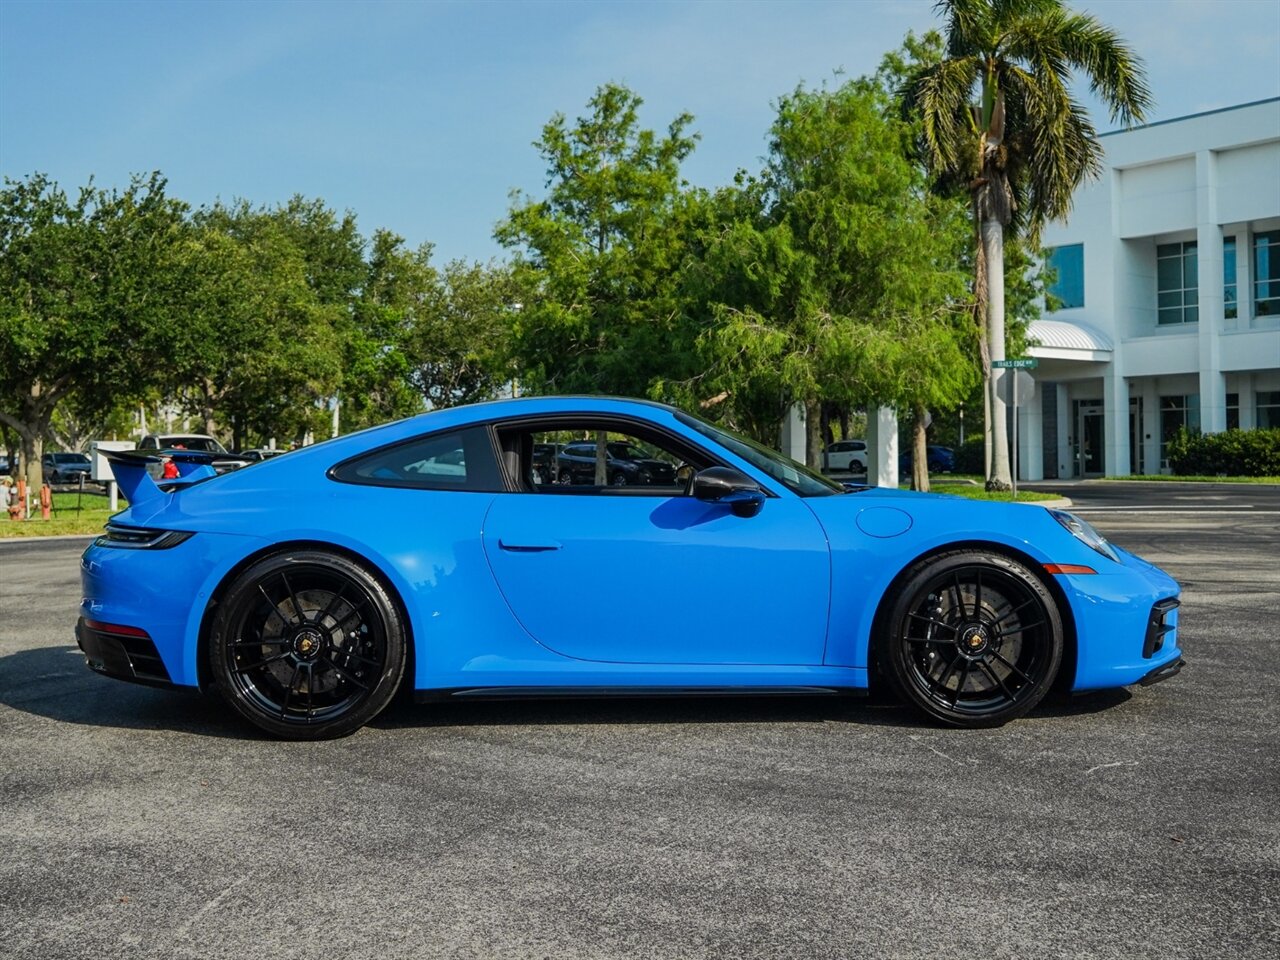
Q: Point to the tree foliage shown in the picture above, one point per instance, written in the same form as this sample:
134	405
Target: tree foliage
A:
830	278
597	256
85	296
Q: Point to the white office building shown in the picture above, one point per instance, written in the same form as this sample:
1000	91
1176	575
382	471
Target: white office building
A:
1169	279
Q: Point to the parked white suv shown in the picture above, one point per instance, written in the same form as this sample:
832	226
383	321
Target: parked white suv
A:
845	456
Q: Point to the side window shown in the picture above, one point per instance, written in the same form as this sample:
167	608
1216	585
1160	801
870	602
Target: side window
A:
585	459
458	460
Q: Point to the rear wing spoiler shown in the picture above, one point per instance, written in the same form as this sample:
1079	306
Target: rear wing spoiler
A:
137	484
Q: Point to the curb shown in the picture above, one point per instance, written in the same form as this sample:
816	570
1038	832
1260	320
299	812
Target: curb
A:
62	536
1059	504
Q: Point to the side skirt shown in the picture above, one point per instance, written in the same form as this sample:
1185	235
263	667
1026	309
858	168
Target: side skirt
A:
627	692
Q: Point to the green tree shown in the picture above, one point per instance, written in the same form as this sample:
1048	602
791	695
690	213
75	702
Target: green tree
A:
832	289
258	345
86	299
459	341
597	258
376	374
998	122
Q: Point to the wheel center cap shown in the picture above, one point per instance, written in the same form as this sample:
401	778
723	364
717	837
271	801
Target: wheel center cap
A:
307	643
973	638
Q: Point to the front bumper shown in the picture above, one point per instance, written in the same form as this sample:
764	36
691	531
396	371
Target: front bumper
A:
1163	672
1126	619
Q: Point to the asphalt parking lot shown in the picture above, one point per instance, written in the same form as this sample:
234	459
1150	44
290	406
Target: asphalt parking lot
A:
144	823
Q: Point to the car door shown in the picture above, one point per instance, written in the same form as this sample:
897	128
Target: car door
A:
626	577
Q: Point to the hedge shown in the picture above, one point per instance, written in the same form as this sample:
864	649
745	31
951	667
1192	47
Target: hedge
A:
1233	453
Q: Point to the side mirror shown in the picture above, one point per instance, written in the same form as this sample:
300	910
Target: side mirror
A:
730	487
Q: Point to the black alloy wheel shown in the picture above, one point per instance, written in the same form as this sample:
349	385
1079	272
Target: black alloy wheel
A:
974	640
307	646
619	479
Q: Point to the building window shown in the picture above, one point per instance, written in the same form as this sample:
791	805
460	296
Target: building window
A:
1067	289
1177	413
1233	411
1266	274
1229	277
1268	409
1177	289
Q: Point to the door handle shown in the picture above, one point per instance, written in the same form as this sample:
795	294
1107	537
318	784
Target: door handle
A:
541	547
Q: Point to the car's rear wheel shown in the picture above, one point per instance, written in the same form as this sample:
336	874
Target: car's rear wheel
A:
972	639
307	645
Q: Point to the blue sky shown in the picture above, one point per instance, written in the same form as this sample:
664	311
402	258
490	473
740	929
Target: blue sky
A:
419	116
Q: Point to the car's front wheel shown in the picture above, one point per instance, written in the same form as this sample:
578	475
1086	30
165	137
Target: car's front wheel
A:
307	645
972	639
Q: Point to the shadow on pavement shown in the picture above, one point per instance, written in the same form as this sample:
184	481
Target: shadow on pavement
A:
53	682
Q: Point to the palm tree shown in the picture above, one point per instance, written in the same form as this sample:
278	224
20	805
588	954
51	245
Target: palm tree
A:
998	120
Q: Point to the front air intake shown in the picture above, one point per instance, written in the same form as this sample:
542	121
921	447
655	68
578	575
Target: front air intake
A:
1158	626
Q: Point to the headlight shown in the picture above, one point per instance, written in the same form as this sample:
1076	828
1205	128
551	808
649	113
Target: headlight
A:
1083	532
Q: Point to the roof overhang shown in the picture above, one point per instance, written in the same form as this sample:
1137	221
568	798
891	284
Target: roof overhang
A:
1068	340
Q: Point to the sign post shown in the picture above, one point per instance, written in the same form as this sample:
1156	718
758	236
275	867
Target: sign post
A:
1015	363
101	469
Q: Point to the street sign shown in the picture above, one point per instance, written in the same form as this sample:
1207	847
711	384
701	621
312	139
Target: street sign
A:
1017	363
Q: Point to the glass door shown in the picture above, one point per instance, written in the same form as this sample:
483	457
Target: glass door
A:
1089	439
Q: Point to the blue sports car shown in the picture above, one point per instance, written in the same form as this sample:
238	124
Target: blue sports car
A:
309	590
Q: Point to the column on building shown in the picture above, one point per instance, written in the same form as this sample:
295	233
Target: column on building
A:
1150	425
1066	431
1213	387
793	440
882	447
1248	402
1031	433
1115	420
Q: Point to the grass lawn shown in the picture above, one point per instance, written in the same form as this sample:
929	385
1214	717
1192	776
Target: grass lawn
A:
65	519
976	492
1162	478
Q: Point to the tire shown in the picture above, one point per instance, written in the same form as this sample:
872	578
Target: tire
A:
619	479
972	639
308	616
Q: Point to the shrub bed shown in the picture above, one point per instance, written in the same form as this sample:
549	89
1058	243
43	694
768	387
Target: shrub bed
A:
1242	453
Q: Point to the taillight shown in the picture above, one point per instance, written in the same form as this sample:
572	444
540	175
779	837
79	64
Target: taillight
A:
141	538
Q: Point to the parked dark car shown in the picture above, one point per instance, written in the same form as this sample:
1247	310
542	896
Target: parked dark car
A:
257	455
939	460
626	465
65	467
546	461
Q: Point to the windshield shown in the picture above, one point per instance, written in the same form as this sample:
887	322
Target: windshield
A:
70	458
796	477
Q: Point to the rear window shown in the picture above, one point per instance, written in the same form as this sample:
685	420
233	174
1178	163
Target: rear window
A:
207	444
457	460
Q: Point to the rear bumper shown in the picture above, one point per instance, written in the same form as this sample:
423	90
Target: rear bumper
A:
126	656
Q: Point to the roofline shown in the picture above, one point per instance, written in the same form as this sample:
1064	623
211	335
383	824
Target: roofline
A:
1190	116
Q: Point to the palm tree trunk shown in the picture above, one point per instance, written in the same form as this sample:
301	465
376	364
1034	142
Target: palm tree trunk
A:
993	253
